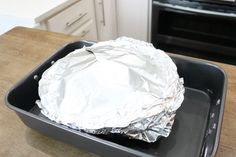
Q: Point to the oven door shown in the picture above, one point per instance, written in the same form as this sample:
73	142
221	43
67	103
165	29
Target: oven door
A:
178	28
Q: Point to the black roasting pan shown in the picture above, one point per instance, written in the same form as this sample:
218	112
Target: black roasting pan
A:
195	133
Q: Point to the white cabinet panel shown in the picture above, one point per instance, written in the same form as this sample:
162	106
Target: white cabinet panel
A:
72	17
106	19
132	18
87	31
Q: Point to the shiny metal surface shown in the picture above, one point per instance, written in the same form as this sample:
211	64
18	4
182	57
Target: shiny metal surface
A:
122	86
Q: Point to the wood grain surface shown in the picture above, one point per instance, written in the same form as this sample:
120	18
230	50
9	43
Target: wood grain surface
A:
21	49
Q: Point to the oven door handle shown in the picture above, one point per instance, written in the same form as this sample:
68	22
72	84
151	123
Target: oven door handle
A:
193	10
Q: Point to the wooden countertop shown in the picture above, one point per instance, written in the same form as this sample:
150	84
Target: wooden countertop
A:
21	49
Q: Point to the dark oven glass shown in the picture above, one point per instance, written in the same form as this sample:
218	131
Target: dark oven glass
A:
200	32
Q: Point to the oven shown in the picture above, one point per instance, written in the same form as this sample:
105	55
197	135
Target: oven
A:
205	29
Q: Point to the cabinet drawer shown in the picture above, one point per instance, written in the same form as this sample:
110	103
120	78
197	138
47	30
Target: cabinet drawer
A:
72	17
87	31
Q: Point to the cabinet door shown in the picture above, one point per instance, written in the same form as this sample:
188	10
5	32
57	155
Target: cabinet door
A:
78	18
106	19
87	31
71	18
133	18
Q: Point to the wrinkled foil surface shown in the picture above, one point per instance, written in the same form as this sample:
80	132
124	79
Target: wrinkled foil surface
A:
123	86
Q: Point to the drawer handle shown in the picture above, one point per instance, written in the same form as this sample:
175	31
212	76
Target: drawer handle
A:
84	33
68	24
103	12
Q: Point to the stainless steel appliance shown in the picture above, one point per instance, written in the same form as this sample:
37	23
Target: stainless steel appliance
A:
200	28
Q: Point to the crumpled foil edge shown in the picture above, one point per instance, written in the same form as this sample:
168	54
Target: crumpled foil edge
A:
147	129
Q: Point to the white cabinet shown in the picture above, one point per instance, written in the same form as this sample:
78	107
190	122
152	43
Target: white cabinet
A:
29	13
86	31
106	19
133	18
90	19
78	19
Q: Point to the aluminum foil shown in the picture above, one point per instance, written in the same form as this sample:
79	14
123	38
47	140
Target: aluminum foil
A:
123	86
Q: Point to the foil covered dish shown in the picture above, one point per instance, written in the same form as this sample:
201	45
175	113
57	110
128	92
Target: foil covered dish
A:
122	86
